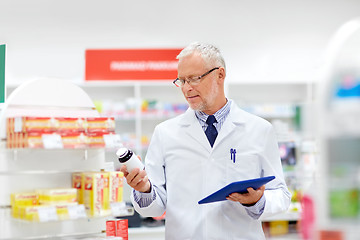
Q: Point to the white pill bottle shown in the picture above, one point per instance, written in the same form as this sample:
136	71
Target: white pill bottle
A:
128	158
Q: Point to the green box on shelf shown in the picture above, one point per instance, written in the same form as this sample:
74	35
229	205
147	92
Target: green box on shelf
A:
344	203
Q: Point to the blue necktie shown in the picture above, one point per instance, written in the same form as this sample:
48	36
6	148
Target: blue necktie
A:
211	132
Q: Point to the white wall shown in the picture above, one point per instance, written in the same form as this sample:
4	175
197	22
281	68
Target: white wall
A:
262	40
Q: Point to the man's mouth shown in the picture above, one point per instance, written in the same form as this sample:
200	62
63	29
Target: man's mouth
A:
190	97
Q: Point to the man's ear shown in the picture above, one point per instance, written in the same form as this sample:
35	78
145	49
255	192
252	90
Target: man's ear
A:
221	75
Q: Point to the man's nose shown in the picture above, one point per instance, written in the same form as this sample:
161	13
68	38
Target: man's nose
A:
187	86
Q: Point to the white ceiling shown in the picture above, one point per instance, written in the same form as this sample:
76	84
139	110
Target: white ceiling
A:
279	40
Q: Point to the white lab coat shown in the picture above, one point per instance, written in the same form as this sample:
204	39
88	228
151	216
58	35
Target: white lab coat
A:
183	169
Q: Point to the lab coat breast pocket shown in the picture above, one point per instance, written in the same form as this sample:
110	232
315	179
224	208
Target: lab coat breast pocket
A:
243	167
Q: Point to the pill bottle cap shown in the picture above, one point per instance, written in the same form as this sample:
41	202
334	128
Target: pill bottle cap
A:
121	152
124	154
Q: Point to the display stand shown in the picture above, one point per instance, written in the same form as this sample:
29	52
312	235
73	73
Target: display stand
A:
338	183
29	169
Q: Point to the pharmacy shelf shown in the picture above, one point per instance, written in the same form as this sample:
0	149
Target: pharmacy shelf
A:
23	170
338	180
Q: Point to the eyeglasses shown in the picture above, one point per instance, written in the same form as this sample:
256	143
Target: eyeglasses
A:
192	80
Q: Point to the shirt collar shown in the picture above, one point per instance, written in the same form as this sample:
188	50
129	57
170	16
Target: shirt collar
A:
219	115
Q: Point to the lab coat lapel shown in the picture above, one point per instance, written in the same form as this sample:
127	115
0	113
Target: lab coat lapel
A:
193	128
233	121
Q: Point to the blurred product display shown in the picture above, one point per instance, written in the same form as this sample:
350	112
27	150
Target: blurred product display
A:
53	161
338	182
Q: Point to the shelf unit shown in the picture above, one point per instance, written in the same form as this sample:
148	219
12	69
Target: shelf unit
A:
24	170
338	182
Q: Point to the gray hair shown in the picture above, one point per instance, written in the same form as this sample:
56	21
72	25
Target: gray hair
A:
209	53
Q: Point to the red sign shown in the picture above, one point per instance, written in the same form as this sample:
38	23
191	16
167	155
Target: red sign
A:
131	64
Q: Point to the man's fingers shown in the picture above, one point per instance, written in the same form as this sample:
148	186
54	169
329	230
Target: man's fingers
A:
235	197
136	177
141	182
252	196
124	170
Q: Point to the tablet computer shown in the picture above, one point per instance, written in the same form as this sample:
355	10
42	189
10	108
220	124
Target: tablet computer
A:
240	187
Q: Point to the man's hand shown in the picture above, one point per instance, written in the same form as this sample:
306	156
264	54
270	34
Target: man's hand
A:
137	179
248	199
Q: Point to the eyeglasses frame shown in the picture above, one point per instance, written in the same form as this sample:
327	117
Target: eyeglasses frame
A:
197	78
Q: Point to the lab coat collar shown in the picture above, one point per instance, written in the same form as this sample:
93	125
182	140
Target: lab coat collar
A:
236	115
234	120
193	128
